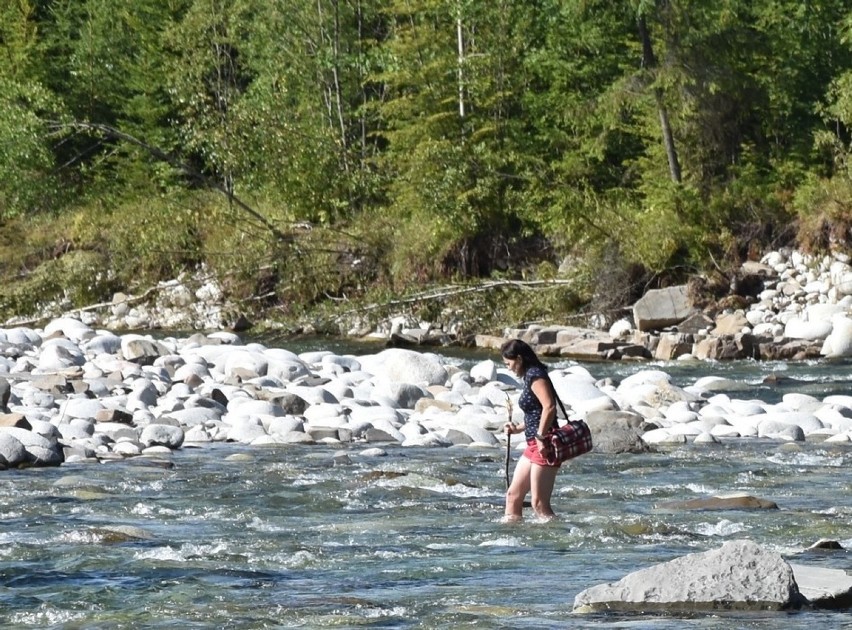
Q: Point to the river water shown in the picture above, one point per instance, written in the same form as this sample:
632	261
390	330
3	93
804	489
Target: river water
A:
230	536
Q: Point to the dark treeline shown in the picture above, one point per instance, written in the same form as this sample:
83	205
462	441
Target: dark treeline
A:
434	138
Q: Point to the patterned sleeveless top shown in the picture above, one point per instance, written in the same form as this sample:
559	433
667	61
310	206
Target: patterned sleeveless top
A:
528	402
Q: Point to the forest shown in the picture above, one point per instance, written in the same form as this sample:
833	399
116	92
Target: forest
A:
570	154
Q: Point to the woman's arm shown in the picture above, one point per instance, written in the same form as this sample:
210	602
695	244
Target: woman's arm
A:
544	392
511	428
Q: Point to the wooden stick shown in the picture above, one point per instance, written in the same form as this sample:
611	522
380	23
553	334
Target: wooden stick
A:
508	438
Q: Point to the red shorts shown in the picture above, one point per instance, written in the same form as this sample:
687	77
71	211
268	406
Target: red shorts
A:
532	454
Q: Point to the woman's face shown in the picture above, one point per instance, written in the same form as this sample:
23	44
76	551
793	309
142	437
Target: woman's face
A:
514	365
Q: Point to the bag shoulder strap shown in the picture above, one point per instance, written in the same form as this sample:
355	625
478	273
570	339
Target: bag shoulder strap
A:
558	400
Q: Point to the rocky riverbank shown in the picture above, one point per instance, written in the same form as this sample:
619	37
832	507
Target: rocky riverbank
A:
69	392
790	306
787	306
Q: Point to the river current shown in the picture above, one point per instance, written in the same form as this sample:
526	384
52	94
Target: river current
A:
230	536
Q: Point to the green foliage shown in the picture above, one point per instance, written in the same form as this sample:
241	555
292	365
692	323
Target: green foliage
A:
19	35
456	138
144	241
445	136
76	279
27	184
823	201
825	213
491	311
833	141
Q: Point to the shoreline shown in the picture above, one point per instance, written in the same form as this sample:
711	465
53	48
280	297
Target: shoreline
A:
788	307
69	392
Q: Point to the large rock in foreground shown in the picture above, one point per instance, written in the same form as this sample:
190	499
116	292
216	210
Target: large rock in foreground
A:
738	576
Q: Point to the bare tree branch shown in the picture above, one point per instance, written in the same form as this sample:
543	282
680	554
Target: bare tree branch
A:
185	168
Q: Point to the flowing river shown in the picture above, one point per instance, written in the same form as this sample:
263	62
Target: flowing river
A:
230	536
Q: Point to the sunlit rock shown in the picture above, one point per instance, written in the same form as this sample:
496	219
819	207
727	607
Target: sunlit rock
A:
738	576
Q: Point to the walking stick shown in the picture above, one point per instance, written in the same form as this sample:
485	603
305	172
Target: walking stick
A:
509	447
508	439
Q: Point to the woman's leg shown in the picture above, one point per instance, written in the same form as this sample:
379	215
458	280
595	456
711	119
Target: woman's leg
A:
542	480
518	489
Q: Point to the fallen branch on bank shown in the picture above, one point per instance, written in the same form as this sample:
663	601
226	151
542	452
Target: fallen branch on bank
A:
130	299
454	291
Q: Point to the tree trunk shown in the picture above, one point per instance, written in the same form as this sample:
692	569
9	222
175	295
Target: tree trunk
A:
460	37
649	62
338	91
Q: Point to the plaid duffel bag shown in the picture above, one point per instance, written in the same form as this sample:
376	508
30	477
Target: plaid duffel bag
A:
568	441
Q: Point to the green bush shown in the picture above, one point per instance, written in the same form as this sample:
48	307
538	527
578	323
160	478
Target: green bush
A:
74	280
824	208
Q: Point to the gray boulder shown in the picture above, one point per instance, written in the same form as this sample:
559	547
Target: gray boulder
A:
824	588
476	433
102	343
304	395
68	327
12	452
406	366
5	393
457	438
245	429
50	454
290	403
400	395
81	407
283	425
349	363
616	432
142	350
116	431
738	576
162	435
76	429
59	354
195	416
41	451
659	308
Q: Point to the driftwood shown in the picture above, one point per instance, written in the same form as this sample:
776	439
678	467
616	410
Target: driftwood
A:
83	309
453	291
424	296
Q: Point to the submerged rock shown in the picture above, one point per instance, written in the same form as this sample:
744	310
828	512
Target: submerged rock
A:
728	502
825	543
119	534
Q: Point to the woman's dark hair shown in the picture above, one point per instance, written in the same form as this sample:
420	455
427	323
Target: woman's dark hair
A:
515	348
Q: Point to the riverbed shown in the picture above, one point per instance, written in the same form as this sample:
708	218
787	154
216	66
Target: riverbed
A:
231	536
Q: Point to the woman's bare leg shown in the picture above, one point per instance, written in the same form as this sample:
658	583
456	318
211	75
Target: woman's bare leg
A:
542	480
518	489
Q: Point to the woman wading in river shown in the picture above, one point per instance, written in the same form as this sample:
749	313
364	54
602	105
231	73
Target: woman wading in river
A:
538	402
